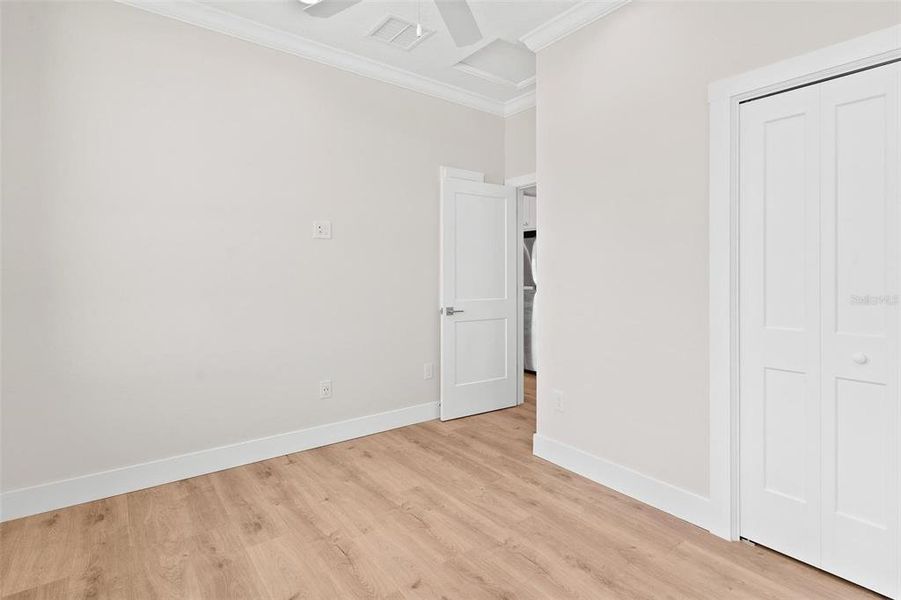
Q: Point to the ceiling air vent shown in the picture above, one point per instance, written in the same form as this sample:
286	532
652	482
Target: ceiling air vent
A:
398	33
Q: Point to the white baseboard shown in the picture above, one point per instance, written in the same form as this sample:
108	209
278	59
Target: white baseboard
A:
676	501
58	494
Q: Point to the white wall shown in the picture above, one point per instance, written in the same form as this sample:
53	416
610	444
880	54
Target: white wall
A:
161	290
519	144
622	160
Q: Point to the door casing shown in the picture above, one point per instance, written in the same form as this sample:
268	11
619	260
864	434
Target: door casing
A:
521	183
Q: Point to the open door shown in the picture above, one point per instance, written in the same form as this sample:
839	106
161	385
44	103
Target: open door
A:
478	297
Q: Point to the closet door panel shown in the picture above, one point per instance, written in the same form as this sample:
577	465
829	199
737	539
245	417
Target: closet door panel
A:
780	323
860	227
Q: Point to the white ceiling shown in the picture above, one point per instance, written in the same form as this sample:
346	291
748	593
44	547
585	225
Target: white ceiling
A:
495	74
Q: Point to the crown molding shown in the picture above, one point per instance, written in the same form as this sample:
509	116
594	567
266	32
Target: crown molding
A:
476	72
569	21
208	17
519	104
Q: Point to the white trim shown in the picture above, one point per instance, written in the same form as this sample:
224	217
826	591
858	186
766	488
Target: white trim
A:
214	19
514	106
724	99
1	245
674	500
68	492
455	173
569	21
491	77
520	182
827	62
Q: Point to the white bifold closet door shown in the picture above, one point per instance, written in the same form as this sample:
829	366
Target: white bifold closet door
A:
820	266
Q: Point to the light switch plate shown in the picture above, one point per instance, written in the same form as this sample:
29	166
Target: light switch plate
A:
428	370
322	230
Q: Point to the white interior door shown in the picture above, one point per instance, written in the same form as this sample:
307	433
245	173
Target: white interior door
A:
820	367
479	249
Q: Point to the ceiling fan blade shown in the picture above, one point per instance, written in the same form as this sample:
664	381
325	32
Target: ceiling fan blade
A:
329	8
460	23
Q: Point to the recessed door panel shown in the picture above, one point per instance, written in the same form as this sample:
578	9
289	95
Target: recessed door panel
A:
481	350
859	169
862	423
784	174
785	414
481	242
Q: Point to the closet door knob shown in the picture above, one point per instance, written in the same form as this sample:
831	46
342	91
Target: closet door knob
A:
860	358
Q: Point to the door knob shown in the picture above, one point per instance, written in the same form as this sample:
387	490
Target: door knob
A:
860	358
451	311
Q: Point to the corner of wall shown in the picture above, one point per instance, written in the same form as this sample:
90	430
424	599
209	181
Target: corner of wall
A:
520	143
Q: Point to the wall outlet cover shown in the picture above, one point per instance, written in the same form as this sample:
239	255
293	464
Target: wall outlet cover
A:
325	389
558	401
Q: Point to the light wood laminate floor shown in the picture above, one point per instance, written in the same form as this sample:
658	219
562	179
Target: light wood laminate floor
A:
458	510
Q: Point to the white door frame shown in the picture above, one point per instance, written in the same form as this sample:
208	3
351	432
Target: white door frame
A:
520	183
724	97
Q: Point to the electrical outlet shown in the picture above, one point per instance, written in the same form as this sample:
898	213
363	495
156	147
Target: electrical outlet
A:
325	389
428	370
322	230
558	401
